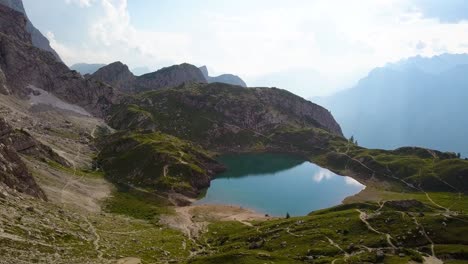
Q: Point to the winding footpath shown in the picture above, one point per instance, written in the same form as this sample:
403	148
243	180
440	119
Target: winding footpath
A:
363	217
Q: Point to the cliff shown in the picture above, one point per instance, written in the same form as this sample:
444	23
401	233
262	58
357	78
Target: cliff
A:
13	171
24	65
117	75
37	38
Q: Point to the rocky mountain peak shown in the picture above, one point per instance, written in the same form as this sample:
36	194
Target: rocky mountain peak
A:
117	75
24	65
38	40
170	76
223	78
204	70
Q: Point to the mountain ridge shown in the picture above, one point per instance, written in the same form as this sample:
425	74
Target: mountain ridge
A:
119	75
392	104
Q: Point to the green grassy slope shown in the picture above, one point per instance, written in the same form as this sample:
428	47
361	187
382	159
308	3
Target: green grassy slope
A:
156	161
220	116
341	235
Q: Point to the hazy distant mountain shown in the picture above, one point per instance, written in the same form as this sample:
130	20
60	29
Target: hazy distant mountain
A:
86	68
434	65
224	78
38	39
418	101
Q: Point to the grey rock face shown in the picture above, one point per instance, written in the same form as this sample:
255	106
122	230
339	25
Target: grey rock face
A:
13	23
204	70
3	87
13	171
224	78
118	75
229	79
25	65
38	39
170	77
301	107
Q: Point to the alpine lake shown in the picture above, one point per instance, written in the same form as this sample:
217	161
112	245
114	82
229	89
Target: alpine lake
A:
277	184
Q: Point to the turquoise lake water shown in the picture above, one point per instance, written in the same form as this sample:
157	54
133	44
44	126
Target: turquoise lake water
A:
277	184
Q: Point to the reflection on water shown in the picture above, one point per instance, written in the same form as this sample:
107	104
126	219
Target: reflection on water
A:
288	184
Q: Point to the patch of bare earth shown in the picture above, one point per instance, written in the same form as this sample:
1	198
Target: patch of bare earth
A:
192	220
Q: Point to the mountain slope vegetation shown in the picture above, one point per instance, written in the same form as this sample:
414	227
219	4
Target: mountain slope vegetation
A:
75	189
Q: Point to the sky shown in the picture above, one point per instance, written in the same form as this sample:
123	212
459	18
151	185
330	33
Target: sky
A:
310	47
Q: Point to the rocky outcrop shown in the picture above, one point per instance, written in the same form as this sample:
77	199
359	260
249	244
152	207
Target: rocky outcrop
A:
224	78
25	65
118	75
170	77
13	171
38	39
406	205
300	107
13	23
23	142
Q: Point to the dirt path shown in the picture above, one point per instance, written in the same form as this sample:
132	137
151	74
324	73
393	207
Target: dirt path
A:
436	204
192	220
338	247
382	204
188	226
425	235
363	217
292	234
92	132
97	238
432	260
129	260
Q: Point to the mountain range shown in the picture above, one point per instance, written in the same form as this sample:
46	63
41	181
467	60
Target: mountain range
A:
120	76
105	168
417	102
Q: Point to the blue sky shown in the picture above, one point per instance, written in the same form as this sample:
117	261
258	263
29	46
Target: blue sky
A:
311	47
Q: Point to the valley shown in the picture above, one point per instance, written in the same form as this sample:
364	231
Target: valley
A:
172	167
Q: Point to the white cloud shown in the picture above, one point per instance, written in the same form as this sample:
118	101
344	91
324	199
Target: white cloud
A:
351	181
323	174
112	38
336	39
81	3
